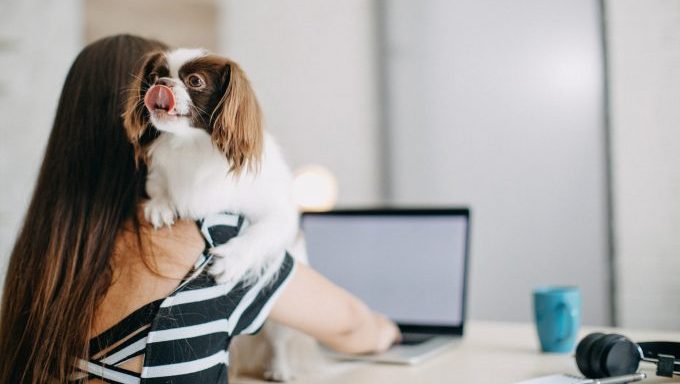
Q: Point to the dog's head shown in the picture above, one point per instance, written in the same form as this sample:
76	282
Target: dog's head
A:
186	90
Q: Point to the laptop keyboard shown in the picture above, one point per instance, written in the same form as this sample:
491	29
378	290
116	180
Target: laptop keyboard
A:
414	338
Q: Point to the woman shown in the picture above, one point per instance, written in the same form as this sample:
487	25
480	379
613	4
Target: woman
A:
88	278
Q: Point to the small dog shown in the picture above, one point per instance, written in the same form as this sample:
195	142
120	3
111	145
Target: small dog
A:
209	154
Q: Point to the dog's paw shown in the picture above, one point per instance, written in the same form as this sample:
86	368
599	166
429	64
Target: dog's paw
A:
279	372
233	261
159	212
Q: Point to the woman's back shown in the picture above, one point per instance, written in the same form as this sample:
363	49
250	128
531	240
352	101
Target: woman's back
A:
147	273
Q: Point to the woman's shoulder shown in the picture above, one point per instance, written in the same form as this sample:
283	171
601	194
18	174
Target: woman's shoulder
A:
150	264
147	266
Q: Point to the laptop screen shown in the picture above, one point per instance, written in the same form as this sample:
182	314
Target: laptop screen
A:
409	265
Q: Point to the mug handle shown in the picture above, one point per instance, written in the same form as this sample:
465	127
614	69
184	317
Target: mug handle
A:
564	310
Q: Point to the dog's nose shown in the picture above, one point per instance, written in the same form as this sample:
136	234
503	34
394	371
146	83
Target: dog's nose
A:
164	81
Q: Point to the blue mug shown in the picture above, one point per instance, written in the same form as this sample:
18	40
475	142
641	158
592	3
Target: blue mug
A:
558	317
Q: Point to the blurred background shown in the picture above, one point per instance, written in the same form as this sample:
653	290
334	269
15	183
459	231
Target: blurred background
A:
556	121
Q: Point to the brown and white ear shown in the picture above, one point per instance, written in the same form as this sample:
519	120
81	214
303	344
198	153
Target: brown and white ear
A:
237	128
135	115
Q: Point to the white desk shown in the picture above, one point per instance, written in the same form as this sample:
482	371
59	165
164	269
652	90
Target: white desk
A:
489	353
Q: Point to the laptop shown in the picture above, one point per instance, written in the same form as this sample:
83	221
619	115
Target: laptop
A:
408	264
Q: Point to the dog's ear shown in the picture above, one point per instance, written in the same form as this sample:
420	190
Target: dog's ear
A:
135	115
237	121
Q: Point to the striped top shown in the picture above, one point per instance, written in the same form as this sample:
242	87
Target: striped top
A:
185	337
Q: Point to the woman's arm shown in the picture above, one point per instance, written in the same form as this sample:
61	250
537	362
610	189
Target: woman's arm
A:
314	305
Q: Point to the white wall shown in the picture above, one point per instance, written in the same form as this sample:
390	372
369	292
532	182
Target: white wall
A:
644	65
499	105
38	41
494	104
313	66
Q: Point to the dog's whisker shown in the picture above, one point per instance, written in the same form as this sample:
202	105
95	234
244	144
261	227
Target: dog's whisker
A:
130	89
217	108
141	79
137	77
200	115
199	109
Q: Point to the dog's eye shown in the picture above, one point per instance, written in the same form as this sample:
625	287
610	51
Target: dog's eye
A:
194	81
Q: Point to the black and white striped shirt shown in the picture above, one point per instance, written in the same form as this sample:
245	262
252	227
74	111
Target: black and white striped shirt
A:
185	337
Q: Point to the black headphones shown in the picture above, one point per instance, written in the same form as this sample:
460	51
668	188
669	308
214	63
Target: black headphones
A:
600	355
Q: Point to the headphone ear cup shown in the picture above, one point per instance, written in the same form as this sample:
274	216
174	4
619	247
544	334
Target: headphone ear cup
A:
598	354
583	352
620	356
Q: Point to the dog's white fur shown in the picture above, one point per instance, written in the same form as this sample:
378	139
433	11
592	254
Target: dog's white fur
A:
189	177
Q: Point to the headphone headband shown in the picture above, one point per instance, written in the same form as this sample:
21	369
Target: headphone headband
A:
665	353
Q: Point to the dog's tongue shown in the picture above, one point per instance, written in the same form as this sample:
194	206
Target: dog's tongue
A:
159	97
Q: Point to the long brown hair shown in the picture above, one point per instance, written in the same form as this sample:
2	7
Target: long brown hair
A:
88	186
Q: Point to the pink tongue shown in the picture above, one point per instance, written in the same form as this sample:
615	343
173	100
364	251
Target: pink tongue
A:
159	97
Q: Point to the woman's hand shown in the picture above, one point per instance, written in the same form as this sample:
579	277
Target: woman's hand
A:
314	305
388	332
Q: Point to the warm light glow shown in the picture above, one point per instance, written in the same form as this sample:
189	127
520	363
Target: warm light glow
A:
315	188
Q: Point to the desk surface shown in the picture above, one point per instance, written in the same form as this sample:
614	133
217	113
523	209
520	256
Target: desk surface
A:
489	353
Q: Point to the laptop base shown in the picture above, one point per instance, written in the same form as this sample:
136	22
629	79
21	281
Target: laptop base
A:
404	354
